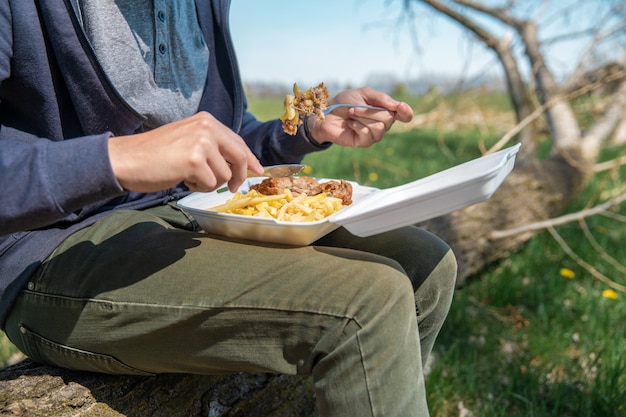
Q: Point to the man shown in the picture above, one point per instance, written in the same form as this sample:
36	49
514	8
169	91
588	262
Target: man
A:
111	111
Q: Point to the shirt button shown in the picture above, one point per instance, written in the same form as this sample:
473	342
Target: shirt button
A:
161	15
162	48
31	286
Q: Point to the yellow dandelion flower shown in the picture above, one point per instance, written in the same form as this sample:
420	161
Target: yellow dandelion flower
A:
372	176
567	273
307	169
389	151
609	294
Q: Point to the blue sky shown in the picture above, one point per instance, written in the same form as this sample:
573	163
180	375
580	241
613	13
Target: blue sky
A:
352	41
344	41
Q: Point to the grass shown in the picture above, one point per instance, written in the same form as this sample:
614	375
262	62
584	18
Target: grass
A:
8	352
523	340
534	334
401	157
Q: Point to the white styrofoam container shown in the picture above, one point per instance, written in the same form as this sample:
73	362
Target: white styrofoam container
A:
372	211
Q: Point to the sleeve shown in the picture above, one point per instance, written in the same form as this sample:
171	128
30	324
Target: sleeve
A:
6	40
42	182
273	146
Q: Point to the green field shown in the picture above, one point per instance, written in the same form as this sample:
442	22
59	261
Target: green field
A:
534	334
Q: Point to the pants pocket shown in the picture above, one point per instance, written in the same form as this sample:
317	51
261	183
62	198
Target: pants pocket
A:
45	351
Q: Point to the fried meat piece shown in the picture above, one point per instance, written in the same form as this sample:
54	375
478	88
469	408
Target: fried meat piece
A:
297	185
301	104
312	101
307	185
340	189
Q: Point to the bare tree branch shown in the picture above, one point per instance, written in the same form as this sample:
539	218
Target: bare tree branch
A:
546	185
499	13
599	249
483	34
500	234
614	216
538	112
599	37
613	163
589	268
614	114
502	47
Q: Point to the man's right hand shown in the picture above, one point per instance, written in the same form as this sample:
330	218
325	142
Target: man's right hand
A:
198	150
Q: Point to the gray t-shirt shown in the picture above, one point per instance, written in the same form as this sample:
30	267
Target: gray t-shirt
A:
153	51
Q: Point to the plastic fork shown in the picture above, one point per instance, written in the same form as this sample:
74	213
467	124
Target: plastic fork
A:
332	107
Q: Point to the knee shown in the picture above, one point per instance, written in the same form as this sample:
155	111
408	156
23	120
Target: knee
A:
438	263
424	253
437	289
446	274
387	294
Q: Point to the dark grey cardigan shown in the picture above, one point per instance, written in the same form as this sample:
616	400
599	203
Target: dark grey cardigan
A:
57	111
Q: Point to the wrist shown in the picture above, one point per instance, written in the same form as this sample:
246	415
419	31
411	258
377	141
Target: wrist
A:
309	135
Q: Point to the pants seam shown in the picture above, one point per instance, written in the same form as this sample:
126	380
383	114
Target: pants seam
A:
191	307
365	374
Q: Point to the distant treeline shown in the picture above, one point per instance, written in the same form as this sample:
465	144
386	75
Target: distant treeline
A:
388	83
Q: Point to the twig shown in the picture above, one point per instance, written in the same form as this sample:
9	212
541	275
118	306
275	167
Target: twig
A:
514	316
599	249
519	127
614	216
613	163
599	209
545	106
596	274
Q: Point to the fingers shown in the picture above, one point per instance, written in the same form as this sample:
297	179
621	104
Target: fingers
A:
369	125
361	127
367	95
376	118
367	132
216	155
404	112
396	111
199	151
226	157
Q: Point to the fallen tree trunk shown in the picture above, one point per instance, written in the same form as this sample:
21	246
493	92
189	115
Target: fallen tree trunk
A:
534	191
33	390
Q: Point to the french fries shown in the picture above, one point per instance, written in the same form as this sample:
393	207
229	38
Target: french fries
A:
284	207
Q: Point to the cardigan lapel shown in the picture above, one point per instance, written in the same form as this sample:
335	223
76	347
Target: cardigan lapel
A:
223	93
98	105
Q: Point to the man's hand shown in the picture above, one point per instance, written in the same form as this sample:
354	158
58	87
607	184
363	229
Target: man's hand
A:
198	150
358	127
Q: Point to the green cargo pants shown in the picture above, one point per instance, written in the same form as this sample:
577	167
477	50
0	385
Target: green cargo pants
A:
143	292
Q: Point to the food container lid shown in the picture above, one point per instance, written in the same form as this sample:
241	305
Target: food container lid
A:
429	197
